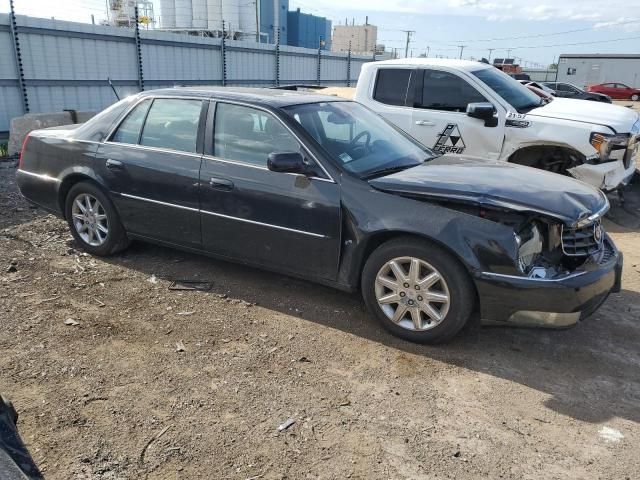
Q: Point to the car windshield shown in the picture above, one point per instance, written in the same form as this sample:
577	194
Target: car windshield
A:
516	94
360	141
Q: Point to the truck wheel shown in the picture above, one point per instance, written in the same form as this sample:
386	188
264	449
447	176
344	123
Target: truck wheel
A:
417	290
635	97
94	221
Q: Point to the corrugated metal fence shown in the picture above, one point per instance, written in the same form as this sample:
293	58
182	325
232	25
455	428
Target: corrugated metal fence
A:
66	65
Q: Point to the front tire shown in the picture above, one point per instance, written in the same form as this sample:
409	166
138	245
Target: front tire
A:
417	290
94	221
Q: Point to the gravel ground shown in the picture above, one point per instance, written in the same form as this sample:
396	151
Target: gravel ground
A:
117	377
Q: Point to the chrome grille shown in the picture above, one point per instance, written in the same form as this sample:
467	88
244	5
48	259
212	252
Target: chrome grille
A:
584	241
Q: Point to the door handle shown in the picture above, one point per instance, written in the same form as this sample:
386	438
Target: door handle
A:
221	183
114	164
425	123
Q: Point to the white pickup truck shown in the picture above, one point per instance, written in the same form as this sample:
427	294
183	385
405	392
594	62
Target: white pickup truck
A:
468	108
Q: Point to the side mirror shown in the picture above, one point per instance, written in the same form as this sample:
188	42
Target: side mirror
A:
483	111
286	162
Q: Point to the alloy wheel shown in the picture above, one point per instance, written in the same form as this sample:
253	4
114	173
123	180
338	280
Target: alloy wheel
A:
90	219
412	293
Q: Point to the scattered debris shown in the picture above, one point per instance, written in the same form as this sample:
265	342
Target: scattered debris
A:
71	322
150	441
346	403
152	279
304	360
180	346
11	269
100	302
610	435
285	425
186	313
198	285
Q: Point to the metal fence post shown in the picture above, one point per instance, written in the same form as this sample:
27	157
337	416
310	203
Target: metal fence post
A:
223	57
319	72
349	66
139	51
277	51
18	57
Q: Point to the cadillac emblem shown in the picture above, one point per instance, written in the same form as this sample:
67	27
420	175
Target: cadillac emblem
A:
598	233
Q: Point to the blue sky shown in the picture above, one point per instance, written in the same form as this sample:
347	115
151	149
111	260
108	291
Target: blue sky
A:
531	29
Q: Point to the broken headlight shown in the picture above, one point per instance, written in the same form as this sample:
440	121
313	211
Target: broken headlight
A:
605	143
529	247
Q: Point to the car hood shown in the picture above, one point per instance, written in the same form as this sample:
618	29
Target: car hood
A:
499	185
621	119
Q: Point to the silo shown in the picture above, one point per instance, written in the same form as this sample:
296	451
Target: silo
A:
167	14
248	19
184	14
214	15
200	19
231	16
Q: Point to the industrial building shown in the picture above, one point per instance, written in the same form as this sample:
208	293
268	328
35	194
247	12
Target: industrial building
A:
241	19
308	31
358	38
589	69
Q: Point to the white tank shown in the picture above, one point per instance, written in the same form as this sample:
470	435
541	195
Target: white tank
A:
184	14
214	15
231	16
200	19
248	20
167	14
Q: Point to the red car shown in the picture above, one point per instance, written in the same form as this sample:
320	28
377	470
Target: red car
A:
618	91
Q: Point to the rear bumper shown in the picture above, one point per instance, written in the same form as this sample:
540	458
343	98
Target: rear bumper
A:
41	190
514	300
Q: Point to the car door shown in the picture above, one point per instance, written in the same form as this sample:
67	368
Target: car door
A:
562	90
390	93
609	89
151	164
284	221
624	91
440	120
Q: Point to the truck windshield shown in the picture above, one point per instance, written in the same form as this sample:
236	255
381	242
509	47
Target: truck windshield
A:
516	94
357	139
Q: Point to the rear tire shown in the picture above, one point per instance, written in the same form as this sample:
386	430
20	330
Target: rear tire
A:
635	97
428	299
94	221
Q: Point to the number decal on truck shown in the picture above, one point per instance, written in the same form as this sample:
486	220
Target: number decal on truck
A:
450	140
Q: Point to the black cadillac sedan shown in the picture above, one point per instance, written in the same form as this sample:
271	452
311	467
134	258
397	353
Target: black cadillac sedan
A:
324	189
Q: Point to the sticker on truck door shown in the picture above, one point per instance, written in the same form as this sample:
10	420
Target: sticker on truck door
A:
450	140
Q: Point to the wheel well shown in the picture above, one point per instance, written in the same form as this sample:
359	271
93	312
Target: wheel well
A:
379	238
66	185
553	158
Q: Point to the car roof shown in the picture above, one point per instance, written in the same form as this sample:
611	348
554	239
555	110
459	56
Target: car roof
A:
434	62
258	96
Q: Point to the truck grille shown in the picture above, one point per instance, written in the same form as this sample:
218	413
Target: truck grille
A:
584	241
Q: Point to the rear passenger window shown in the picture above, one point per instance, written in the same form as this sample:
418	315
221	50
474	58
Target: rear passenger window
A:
448	92
391	85
173	124
129	129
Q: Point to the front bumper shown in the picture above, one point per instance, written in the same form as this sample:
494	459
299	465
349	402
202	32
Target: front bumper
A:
606	176
561	302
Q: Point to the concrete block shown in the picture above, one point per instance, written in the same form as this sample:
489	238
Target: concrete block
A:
21	126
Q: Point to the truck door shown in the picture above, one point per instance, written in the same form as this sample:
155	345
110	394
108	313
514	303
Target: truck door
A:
390	92
440	121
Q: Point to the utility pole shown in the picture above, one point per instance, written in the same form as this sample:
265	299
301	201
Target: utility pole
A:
508	52
490	50
461	50
406	48
257	22
428	48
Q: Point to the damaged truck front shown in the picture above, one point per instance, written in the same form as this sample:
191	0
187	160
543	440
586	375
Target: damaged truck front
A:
552	263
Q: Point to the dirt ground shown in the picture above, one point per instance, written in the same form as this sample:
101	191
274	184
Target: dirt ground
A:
112	398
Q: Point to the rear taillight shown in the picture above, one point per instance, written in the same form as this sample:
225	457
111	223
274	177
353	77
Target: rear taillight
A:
24	145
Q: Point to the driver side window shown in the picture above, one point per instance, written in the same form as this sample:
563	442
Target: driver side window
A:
448	92
249	135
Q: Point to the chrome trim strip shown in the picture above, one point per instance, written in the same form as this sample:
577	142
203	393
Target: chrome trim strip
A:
243	164
155	149
317	235
158	202
40	176
499	276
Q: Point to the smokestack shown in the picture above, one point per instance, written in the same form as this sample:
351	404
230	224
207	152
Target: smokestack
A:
366	20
